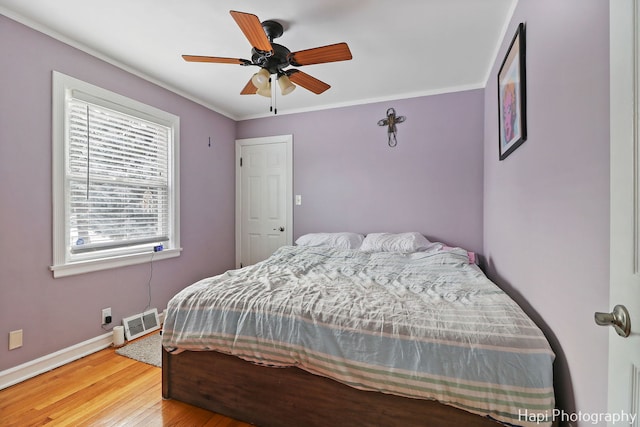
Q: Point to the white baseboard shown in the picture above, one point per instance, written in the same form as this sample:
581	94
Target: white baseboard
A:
51	361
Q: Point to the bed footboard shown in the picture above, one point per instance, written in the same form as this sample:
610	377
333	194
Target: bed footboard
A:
282	397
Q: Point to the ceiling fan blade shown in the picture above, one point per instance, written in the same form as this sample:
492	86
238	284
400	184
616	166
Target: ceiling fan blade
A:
249	89
320	55
252	29
216	59
306	81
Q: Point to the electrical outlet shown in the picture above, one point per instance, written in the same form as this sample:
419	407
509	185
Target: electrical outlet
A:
106	316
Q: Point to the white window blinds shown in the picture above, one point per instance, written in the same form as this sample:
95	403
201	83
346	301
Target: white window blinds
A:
117	179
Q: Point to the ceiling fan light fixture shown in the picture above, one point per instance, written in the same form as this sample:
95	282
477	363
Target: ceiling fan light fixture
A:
261	78
286	87
273	59
265	91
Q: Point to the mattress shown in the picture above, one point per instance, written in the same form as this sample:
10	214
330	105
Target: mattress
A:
426	325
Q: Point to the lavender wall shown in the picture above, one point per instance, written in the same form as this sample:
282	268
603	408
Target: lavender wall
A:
350	180
540	217
546	207
55	314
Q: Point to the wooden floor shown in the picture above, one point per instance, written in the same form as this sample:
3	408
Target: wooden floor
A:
103	389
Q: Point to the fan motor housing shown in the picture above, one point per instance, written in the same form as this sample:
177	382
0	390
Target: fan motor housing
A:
274	63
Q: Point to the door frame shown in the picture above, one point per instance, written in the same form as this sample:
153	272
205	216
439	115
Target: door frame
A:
277	139
624	19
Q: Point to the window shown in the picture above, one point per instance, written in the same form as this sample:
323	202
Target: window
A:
115	179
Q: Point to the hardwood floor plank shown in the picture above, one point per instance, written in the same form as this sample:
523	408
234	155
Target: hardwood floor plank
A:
102	389
79	381
102	402
94	397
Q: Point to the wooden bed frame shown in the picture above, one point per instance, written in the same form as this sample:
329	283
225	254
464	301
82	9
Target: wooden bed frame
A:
283	397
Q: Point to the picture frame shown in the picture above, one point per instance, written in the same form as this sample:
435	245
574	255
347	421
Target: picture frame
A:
512	96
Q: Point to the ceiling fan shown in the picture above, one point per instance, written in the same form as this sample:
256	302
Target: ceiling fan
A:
273	58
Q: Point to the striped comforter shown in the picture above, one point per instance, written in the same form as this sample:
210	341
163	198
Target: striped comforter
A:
426	325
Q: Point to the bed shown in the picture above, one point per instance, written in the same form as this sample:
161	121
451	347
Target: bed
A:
358	334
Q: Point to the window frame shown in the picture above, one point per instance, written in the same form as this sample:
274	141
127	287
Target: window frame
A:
63	264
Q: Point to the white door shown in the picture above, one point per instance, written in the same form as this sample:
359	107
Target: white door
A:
264	188
624	353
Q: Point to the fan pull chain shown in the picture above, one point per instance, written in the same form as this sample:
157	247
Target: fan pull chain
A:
270	98
275	100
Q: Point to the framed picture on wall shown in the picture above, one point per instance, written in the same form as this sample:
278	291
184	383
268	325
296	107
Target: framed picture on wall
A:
512	96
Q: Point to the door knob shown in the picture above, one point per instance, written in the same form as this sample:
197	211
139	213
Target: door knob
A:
279	229
618	318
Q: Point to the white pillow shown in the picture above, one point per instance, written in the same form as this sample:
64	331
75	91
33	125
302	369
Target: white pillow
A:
400	242
334	240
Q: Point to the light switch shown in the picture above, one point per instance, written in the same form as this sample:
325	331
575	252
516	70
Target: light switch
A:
298	199
15	339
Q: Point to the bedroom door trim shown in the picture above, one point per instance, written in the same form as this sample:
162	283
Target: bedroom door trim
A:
624	284
287	142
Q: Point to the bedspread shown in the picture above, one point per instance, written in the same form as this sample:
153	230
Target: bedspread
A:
426	325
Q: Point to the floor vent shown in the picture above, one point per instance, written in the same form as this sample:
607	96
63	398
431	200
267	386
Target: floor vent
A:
141	324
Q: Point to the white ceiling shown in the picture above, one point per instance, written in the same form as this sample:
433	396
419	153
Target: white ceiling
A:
400	49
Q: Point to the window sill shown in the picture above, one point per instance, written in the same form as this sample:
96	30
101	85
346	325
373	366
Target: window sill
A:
82	267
